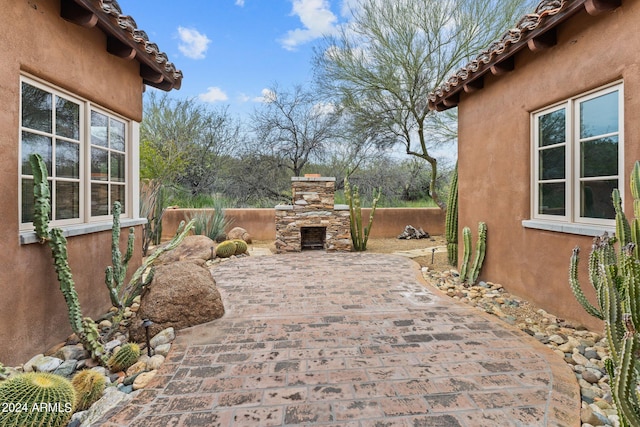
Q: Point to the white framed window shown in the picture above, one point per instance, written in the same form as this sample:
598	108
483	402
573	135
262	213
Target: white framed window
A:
86	149
578	158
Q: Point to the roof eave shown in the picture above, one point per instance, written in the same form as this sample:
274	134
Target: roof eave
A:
543	36
124	40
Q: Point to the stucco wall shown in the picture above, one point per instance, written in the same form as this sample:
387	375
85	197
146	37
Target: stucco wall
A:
260	223
495	152
37	41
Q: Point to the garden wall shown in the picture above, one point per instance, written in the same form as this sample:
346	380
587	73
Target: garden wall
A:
261	223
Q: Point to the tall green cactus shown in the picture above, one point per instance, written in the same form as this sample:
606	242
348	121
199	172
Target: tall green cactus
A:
121	294
115	274
451	221
83	328
466	254
481	247
359	236
615	277
470	274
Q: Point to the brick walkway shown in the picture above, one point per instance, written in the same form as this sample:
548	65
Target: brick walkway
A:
351	340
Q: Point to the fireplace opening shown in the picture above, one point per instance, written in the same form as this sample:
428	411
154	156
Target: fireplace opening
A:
312	237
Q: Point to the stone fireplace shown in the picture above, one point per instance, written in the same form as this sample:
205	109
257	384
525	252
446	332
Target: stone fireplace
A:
313	220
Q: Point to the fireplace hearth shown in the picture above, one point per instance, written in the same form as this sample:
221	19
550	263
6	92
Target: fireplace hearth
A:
312	220
312	237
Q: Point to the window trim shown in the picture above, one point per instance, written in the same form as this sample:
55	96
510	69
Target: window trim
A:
572	222
86	223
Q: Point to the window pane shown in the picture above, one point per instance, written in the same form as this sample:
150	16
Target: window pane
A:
35	144
67	119
27	200
551	128
117	135
67	200
599	157
552	163
599	115
36	108
99	199
67	159
99	129
117	194
596	199
99	164
552	199
117	167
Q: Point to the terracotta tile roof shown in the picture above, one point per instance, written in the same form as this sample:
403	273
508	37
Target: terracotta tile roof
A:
125	39
535	30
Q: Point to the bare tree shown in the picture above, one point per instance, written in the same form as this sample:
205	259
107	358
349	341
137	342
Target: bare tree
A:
294	127
383	64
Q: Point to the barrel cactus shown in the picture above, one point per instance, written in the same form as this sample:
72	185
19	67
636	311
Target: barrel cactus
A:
36	399
89	386
226	249
241	246
124	358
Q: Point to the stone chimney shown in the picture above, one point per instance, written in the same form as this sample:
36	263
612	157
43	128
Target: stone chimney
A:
313	220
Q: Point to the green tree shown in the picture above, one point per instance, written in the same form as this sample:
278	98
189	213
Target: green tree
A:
392	54
183	142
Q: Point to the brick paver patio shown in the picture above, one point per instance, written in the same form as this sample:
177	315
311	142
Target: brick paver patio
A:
351	339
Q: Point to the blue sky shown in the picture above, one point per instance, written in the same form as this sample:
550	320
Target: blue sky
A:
230	51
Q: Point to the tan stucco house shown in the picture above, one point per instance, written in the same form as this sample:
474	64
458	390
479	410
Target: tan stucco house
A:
549	124
73	75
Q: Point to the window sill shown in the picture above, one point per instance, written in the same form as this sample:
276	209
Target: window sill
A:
580	229
28	237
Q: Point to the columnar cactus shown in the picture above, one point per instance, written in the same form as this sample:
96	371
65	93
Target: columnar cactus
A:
481	248
615	276
359	236
466	245
116	273
36	399
451	221
83	328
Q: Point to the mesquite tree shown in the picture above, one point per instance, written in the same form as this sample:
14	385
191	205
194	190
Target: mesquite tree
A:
382	65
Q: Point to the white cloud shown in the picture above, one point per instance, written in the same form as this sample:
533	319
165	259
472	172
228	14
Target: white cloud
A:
267	96
193	44
240	3
213	94
316	18
324	108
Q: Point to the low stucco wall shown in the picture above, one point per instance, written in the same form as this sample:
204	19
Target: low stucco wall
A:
261	223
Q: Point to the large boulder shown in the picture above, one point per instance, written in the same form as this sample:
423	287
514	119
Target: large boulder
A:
192	247
182	294
239	233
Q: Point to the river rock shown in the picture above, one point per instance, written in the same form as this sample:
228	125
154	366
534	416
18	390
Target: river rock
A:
143	379
110	399
155	362
165	336
162	349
